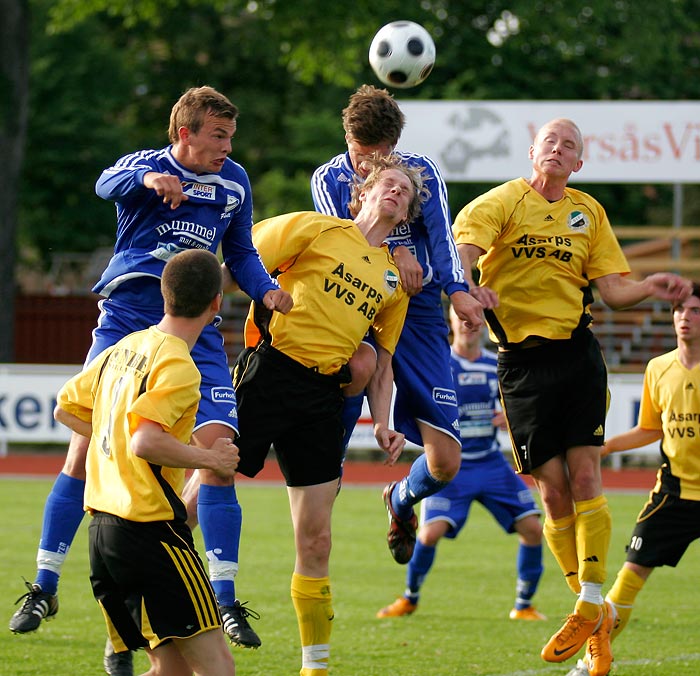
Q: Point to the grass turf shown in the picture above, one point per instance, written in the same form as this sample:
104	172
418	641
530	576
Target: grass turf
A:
461	626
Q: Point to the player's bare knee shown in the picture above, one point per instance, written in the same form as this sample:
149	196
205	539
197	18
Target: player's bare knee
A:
530	530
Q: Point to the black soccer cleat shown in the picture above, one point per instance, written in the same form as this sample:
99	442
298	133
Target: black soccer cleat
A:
236	626
401	536
118	664
38	605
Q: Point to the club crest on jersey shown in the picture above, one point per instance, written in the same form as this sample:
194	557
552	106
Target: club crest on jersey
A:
200	190
577	221
391	280
232	202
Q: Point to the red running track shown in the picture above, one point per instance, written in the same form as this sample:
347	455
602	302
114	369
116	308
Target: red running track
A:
49	465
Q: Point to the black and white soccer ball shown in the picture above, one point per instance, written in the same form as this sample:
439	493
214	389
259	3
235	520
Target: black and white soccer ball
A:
402	54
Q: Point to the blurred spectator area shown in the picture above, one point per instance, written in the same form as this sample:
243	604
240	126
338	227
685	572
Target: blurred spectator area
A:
52	329
55	313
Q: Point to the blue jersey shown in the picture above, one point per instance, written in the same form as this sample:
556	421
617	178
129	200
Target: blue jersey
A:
218	211
429	237
485	475
476	385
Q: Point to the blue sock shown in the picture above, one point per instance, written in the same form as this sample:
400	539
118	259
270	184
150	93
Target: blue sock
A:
419	565
413	488
352	410
530	570
63	513
220	519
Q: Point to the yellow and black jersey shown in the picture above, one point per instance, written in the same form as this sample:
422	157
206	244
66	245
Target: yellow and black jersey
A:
148	375
671	404
341	286
540	257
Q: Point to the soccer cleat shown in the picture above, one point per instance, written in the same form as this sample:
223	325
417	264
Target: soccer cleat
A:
529	613
599	657
117	664
236	626
402	606
571	637
38	605
401	536
581	669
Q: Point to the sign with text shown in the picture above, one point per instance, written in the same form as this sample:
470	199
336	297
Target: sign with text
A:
28	397
624	141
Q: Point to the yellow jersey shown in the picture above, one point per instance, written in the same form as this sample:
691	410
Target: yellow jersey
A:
341	286
540	257
148	375
671	404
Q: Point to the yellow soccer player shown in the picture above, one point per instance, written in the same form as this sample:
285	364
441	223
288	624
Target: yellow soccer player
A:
289	383
540	245
670	519
136	402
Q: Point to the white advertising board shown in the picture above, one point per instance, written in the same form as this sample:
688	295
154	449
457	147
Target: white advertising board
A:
624	141
28	397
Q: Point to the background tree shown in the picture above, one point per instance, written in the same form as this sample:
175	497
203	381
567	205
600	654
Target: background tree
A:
104	74
14	81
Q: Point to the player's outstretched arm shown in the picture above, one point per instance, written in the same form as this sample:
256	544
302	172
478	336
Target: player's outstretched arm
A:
379	395
73	422
620	292
166	186
633	438
469	254
152	443
468	309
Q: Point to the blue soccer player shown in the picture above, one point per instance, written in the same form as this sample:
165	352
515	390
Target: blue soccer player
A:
187	195
425	409
484	476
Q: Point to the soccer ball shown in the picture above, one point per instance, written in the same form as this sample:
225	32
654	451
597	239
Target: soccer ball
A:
402	54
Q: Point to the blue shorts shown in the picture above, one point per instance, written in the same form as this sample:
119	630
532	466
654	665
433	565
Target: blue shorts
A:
490	481
218	402
425	388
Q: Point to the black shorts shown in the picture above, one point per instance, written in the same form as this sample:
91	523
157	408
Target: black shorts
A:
555	397
665	527
149	581
297	410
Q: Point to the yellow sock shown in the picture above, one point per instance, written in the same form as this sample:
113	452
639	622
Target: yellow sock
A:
622	595
589	610
593	528
561	538
313	605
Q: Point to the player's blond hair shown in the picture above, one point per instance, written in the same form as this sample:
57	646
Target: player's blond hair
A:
378	164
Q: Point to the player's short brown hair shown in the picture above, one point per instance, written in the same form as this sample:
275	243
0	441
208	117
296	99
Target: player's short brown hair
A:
695	292
191	280
373	117
194	105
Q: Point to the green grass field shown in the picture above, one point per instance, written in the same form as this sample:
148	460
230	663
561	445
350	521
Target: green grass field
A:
461	627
